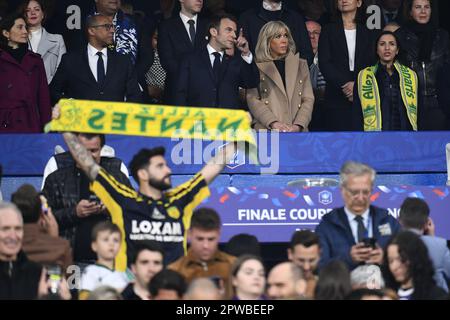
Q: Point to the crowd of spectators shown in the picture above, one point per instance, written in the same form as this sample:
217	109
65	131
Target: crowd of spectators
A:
357	252
265	59
294	70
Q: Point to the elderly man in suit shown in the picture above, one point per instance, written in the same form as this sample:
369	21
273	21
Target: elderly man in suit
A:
179	36
414	216
356	233
96	73
210	77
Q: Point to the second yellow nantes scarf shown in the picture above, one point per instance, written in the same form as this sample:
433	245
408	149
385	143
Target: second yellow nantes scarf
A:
153	120
370	96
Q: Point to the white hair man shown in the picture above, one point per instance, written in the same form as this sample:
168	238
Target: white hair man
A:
357	232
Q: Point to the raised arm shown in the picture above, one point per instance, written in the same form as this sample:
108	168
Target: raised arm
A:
81	156
213	168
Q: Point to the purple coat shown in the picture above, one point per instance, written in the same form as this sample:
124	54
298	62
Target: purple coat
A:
24	95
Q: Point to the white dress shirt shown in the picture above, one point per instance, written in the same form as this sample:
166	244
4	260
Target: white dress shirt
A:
211	50
185	20
354	225
35	38
93	59
350	36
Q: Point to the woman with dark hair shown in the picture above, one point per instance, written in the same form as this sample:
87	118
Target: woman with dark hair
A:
408	269
334	282
248	278
386	98
51	47
345	48
426	49
24	96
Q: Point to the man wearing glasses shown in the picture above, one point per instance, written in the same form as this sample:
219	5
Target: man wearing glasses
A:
357	232
96	73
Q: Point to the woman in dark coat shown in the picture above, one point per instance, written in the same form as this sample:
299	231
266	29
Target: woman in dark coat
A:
426	49
24	95
346	46
386	94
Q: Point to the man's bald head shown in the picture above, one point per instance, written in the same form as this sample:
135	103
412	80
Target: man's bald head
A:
286	281
202	289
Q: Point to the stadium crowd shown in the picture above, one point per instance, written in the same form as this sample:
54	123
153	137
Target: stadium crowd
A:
88	234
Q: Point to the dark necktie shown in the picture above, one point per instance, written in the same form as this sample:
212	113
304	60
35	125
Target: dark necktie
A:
361	228
216	65
192	30
390	17
100	69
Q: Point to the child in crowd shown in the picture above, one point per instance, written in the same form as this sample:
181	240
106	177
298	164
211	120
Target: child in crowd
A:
106	242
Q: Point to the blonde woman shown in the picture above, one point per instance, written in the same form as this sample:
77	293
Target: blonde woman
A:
284	100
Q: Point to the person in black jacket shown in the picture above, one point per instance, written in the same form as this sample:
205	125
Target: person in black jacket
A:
19	277
96	73
254	19
346	46
176	41
210	77
394	111
76	209
426	49
443	90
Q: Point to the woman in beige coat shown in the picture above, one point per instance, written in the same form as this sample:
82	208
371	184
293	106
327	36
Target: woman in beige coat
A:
284	100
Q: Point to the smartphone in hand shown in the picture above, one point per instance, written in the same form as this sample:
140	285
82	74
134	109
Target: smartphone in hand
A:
54	275
370	243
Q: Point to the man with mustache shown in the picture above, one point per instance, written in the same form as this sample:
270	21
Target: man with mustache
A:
152	213
357	232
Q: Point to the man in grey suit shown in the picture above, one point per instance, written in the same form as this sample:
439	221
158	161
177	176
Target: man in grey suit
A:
414	216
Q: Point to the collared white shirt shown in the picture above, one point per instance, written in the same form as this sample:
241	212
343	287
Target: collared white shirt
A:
185	20
93	59
350	36
354	225
211	50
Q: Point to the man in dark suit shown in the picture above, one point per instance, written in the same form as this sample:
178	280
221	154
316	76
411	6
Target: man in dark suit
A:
270	10
210	77
357	233
179	36
132	37
391	12
96	73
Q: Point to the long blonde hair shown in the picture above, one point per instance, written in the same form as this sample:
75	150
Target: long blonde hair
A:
269	31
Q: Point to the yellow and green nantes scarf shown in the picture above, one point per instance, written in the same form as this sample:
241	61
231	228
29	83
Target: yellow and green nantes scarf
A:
370	96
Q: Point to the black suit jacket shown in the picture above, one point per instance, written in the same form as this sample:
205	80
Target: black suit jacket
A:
254	19
196	85
174	45
74	79
334	65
